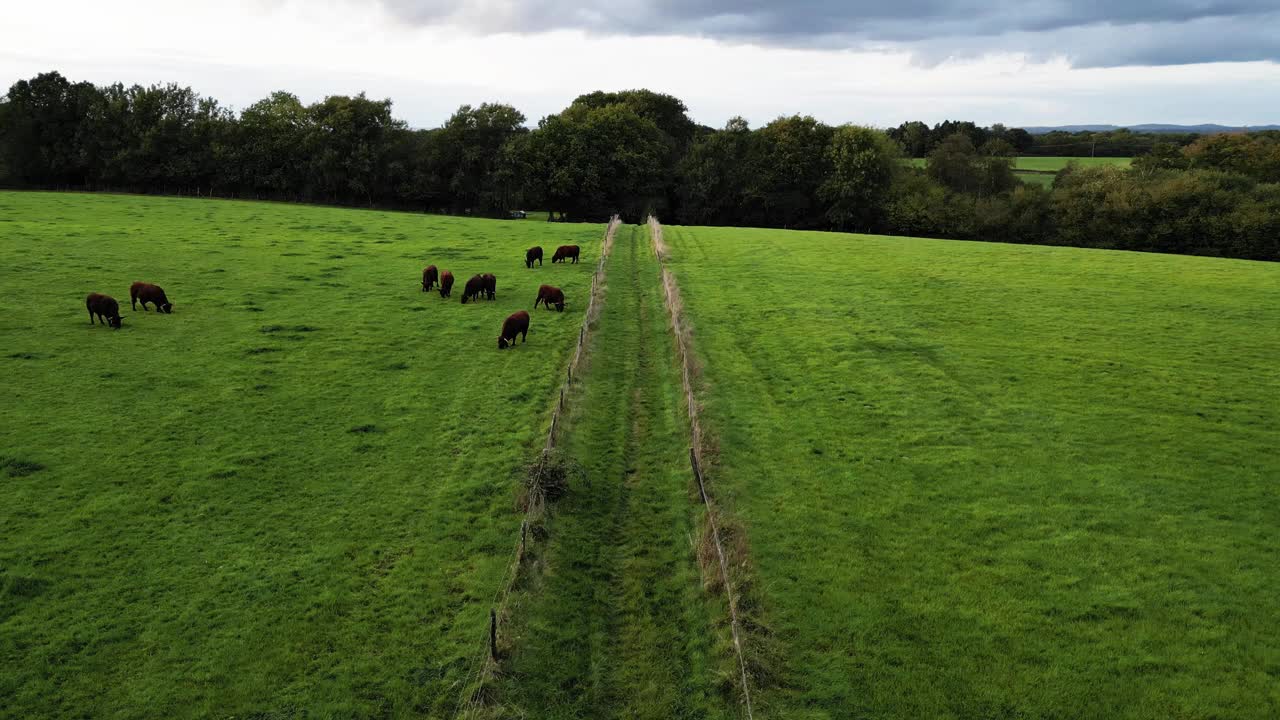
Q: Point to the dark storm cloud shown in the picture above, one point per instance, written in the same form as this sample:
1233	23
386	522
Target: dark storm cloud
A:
1094	33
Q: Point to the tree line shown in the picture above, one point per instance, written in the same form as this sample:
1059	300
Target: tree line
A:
636	152
919	139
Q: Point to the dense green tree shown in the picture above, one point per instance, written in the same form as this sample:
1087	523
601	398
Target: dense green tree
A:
862	165
1257	156
789	162
470	148
273	136
914	137
713	176
347	146
961	167
594	161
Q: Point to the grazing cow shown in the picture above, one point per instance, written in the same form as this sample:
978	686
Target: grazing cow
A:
144	293
105	307
564	252
446	283
548	296
490	285
533	253
474	289
429	278
517	323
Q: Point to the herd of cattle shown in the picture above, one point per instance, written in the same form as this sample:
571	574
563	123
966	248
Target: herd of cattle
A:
485	286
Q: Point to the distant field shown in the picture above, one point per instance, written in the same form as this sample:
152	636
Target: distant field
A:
291	497
1050	164
994	480
1054	164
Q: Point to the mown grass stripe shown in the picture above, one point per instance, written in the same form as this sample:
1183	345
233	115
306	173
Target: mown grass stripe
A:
683	340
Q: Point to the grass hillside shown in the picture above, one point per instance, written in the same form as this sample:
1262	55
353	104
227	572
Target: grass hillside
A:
987	480
292	496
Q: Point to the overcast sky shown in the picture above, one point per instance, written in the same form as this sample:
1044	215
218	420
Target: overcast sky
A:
1020	62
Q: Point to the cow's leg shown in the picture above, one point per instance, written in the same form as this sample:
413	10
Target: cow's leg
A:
133	303
90	317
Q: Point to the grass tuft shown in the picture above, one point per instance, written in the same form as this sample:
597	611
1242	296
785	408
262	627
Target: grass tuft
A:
17	467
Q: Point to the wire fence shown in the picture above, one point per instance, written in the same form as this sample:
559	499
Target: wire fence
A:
475	692
684	342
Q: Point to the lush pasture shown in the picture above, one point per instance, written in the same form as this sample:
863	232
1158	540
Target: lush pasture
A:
292	496
1054	164
994	480
1051	164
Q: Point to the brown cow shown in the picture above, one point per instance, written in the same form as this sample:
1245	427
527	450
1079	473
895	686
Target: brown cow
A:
105	307
446	283
548	296
429	278
474	289
533	253
517	323
564	252
144	293
490	285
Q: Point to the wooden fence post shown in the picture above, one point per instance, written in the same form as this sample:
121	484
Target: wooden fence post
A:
697	474
493	634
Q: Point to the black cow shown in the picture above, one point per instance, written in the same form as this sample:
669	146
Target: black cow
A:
474	289
565	252
548	296
517	323
533	253
105	307
144	293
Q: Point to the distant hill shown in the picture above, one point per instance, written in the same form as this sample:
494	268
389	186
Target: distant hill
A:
1206	129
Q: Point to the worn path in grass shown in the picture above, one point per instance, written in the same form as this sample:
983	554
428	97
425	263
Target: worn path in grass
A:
616	623
997	481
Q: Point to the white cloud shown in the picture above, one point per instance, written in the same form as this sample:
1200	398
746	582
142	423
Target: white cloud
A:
241	51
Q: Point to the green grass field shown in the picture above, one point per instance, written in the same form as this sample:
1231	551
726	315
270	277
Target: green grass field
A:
977	480
997	481
291	497
1054	164
1050	164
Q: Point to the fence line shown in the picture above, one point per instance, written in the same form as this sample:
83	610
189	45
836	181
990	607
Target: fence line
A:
675	308
472	694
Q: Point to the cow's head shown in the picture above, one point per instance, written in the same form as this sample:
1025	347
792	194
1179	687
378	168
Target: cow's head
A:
167	307
115	322
502	343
